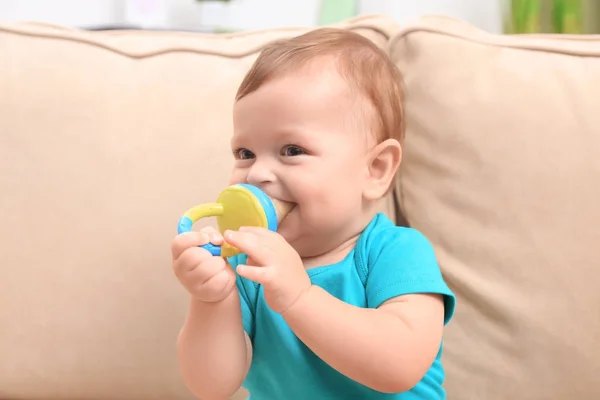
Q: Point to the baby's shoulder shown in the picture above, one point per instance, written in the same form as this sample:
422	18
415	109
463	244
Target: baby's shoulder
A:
382	235
385	248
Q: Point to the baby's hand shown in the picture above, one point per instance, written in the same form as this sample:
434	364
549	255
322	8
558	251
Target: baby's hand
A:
206	277
273	263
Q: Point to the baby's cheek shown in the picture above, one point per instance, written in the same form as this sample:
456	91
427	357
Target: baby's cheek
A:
330	208
237	176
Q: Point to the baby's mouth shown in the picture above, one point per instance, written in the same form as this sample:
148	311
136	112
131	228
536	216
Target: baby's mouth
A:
282	208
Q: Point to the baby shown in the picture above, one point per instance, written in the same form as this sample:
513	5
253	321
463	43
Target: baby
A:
339	303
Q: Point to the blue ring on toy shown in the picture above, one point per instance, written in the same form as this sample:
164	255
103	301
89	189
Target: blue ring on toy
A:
185	225
212	249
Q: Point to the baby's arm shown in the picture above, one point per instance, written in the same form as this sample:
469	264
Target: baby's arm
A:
214	351
388	349
391	345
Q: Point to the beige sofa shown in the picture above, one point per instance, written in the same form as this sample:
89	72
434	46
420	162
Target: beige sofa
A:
107	137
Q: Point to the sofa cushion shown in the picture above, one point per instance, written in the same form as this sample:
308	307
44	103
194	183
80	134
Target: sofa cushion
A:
106	138
501	171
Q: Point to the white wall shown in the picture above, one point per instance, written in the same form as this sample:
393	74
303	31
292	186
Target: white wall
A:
63	12
239	14
260	14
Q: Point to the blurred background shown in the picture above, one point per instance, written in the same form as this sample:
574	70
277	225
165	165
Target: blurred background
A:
497	16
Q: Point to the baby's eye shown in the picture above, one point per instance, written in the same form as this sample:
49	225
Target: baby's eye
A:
243	154
292	151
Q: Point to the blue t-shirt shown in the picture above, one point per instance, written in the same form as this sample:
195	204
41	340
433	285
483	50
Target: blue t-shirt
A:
387	261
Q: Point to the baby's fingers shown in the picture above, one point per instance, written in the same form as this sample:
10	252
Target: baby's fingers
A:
216	286
186	240
215	236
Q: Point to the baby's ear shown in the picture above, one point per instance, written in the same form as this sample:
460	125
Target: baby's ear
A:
384	161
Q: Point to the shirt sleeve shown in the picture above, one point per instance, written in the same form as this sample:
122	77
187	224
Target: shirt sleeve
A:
402	261
248	291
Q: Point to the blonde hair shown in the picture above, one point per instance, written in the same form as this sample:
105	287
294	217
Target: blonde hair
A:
364	65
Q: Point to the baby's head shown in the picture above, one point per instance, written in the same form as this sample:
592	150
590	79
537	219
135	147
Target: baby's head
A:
318	122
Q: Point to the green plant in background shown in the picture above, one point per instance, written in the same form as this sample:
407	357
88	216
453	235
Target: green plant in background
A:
333	11
550	16
525	16
567	16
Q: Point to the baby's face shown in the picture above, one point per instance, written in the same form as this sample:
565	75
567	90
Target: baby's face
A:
298	139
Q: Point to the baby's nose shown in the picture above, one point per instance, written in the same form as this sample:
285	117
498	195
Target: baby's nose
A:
260	173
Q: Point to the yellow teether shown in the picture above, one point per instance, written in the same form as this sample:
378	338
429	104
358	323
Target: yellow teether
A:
236	206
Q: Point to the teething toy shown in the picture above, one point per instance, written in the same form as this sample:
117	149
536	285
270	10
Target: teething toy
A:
236	206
